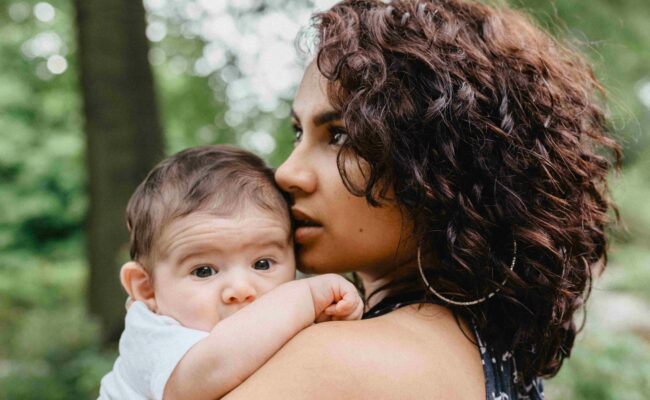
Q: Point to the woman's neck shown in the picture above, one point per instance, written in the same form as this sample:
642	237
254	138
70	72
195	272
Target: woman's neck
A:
376	279
406	272
370	285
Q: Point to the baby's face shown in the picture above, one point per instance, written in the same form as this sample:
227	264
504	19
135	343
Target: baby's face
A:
211	267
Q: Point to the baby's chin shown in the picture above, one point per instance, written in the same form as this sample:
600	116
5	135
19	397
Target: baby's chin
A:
205	326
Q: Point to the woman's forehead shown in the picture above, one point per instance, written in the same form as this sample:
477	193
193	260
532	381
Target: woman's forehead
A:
311	98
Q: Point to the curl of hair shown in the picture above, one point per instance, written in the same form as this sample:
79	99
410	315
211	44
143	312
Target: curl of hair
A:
489	131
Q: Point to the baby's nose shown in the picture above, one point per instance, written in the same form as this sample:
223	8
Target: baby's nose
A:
239	292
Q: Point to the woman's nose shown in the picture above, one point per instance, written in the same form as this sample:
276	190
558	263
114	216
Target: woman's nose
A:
238	291
296	174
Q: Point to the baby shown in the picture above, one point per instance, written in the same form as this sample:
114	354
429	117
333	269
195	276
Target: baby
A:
212	279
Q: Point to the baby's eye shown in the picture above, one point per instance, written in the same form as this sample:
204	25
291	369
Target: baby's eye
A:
338	136
204	271
263	265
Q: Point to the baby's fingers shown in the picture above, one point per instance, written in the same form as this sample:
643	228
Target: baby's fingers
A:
331	310
346	310
356	312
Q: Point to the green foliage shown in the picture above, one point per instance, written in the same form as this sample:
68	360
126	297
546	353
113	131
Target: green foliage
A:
605	365
192	115
630	192
629	266
41	147
53	349
194	108
629	270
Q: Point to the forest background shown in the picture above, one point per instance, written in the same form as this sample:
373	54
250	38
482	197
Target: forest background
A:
93	92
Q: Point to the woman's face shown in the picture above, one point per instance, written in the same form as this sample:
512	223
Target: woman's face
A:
337	232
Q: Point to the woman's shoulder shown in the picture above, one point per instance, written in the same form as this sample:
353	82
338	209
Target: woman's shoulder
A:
404	354
427	330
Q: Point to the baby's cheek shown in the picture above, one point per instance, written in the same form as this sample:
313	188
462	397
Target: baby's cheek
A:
287	276
201	323
199	313
187	307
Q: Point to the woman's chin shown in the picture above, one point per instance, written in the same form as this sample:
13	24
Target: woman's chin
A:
310	268
311	262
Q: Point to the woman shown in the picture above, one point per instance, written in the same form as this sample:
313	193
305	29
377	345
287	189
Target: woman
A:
445	153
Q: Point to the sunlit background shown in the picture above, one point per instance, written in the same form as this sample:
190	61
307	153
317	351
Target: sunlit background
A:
224	72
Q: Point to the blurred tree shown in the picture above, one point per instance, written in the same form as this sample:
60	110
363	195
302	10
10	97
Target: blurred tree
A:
124	138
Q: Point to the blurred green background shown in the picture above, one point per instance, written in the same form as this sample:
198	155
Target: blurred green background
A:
224	71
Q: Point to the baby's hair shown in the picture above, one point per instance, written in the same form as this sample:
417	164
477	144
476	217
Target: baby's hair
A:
220	180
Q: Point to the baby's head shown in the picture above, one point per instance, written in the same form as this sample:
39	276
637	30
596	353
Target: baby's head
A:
209	233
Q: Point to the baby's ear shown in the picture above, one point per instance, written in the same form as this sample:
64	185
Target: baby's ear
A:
138	284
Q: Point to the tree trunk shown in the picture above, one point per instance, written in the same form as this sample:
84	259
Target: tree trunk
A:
124	139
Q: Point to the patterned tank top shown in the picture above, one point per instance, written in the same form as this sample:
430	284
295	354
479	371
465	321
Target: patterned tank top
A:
500	370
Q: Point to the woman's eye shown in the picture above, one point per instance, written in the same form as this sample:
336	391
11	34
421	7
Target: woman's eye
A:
263	264
204	271
338	136
297	134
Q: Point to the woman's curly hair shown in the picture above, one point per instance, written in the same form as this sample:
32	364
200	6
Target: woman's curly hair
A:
489	132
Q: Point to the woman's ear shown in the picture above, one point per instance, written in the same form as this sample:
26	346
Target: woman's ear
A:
138	284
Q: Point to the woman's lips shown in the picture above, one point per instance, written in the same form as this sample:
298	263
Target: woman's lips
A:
307	228
306	234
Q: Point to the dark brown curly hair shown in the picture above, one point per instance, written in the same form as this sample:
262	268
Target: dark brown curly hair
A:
489	132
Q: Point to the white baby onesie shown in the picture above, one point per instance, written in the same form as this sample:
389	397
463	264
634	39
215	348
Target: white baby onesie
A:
150	348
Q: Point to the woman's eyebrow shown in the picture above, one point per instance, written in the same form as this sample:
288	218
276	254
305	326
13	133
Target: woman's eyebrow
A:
321	118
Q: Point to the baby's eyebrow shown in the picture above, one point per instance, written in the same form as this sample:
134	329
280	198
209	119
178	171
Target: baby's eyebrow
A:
212	248
194	253
274	242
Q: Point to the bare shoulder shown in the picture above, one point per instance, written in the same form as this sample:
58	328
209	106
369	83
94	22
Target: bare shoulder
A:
408	353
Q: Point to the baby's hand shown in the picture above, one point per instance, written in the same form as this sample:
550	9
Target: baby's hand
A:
335	298
349	308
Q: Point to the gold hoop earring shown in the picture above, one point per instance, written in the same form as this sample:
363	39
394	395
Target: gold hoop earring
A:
466	303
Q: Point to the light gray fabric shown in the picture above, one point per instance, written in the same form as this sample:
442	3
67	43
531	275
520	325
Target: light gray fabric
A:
150	348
